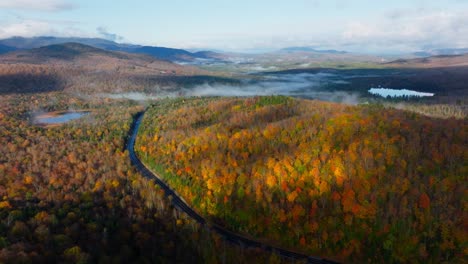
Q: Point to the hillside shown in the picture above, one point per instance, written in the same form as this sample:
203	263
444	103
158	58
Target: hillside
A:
357	184
78	67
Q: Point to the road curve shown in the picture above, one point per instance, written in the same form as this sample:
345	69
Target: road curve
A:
184	207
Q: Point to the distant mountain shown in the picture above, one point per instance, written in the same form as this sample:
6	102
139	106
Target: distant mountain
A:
437	52
422	54
310	49
5	49
209	55
66	51
163	53
432	61
36	42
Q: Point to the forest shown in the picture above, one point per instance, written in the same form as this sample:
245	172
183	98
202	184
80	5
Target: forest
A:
79	79
68	193
190	134
352	183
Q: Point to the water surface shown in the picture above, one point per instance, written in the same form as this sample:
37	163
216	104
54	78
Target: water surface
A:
385	92
58	118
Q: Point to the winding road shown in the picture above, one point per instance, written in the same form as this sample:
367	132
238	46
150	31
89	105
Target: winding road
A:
180	204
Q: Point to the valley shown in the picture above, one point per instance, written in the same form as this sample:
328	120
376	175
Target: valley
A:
281	157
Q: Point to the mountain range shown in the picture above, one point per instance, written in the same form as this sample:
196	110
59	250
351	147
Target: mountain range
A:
184	56
89	57
163	53
6	49
437	52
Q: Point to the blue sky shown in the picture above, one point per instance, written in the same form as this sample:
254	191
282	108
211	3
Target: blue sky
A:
355	25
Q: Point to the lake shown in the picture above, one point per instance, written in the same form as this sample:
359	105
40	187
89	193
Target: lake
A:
385	92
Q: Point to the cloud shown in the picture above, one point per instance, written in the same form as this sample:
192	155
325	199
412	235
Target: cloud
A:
409	30
39	5
102	31
34	28
25	28
388	31
403	29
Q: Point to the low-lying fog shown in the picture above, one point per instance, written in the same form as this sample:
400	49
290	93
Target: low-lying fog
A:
324	86
135	96
305	85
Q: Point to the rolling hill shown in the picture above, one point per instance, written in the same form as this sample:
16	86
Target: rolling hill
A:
79	67
360	184
87	56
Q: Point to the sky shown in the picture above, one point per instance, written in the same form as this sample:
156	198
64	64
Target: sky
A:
367	26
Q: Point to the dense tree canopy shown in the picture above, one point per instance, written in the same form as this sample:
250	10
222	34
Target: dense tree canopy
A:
69	194
356	183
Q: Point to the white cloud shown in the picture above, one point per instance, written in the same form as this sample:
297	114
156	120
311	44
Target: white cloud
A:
399	30
393	31
409	30
34	28
26	28
40	5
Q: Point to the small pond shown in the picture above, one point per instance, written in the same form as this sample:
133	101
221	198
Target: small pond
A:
55	118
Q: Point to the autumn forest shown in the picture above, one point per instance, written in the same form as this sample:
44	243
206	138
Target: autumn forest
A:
69	194
359	184
120	153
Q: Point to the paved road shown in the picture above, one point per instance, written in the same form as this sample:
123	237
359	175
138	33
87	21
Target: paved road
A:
180	204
